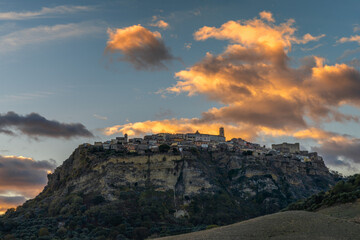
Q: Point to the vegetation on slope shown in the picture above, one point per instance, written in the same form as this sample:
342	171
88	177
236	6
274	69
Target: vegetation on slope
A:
241	187
137	214
342	192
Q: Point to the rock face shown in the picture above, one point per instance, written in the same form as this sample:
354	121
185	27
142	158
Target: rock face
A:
188	175
191	189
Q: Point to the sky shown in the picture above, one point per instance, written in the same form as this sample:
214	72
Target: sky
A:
83	71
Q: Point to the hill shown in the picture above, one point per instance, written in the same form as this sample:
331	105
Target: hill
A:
342	192
284	225
108	194
334	214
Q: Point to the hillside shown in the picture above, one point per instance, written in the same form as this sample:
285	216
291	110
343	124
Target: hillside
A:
106	194
342	192
335	215
284	225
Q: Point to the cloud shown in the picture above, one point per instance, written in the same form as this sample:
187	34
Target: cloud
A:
100	117
35	125
344	153
311	48
187	46
7	202
42	34
256	32
182	125
356	28
21	178
163	113
196	12
259	90
267	16
139	46
254	80
24	96
308	38
159	23
355	38
354	62
44	12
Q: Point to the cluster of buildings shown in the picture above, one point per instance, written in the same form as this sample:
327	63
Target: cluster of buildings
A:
180	142
177	142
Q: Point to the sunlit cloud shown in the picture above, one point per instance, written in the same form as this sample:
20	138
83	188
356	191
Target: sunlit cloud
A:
43	34
182	125
267	16
256	32
139	46
258	89
355	38
159	23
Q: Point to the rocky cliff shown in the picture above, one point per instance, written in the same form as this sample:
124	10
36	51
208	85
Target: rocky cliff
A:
131	196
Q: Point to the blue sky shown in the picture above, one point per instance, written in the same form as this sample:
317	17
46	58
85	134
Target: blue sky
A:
53	63
73	79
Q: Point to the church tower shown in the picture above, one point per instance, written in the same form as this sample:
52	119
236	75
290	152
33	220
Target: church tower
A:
221	132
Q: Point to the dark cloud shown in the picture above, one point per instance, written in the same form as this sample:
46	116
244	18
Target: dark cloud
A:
35	125
340	153
22	177
12	200
20	172
144	49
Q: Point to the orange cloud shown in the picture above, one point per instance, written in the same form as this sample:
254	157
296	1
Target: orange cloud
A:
267	16
252	77
320	135
139	46
260	91
355	38
160	24
182	125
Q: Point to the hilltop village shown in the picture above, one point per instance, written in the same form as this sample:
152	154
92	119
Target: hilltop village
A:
179	143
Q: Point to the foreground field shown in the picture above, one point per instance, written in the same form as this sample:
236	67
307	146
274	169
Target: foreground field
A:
284	225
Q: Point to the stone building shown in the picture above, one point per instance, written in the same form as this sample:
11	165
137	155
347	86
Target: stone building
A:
287	147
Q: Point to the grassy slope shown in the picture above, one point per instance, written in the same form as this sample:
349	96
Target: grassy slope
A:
347	211
283	225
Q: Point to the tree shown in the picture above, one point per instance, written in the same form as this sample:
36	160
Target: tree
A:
164	148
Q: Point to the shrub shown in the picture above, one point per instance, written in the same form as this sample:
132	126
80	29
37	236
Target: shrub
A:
211	226
9	237
98	200
164	148
61	231
43	232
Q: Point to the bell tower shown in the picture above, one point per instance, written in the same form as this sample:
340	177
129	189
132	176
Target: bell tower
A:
221	132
